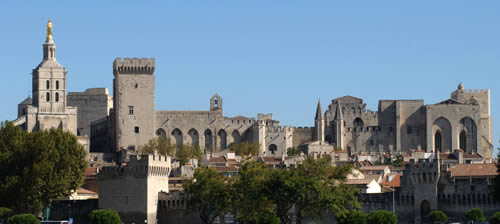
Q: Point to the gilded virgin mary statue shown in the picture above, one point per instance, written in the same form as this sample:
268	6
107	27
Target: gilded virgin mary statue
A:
49	31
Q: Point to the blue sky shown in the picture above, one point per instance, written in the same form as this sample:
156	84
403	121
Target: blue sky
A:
262	56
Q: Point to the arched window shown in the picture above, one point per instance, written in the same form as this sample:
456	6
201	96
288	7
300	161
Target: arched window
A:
463	141
47	96
47	84
222	139
358	122
57	97
273	148
353	110
177	137
57	84
438	142
208	140
161	133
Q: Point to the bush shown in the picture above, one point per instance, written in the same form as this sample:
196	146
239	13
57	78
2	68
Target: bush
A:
352	217
438	217
475	215
104	216
23	219
495	219
382	217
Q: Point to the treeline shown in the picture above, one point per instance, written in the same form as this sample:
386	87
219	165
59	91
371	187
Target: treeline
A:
260	194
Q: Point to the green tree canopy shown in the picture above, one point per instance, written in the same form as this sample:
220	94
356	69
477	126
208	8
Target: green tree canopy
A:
38	167
495	218
245	148
352	217
23	219
186	152
475	215
382	217
293	151
496	181
104	216
209	193
438	217
5	211
160	145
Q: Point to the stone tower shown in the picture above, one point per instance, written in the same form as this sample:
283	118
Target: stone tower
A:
339	127
48	108
133	92
319	124
216	103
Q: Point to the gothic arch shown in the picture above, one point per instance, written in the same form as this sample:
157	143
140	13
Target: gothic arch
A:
443	127
222	139
194	137
273	148
425	208
177	137
467	132
161	133
236	137
209	140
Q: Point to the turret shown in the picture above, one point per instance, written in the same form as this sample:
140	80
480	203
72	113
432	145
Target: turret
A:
339	126
319	124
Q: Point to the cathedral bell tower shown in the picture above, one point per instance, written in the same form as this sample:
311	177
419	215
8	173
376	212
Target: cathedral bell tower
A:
49	80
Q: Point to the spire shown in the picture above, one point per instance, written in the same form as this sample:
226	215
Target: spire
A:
49	48
319	113
338	113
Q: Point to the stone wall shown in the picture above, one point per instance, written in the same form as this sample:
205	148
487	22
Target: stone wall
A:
92	105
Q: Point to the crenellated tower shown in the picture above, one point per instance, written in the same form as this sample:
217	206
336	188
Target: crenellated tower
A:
134	97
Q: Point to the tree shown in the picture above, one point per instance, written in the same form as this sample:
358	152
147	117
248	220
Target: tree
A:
187	152
382	217
160	145
495	219
438	217
352	217
38	167
245	149
475	215
496	181
209	193
250	199
4	213
23	219
293	151
104	216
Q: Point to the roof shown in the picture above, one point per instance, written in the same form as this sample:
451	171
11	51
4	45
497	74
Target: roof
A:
220	159
368	179
469	170
91	171
27	101
378	167
446	156
395	182
472	156
84	191
270	159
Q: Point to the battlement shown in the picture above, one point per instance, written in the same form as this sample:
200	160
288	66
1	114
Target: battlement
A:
281	129
139	167
476	91
134	66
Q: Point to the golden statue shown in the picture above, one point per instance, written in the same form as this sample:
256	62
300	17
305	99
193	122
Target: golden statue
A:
49	31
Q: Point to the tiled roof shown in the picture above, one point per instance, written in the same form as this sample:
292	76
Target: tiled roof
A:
220	159
468	170
91	171
472	156
84	191
269	159
446	156
379	167
395	182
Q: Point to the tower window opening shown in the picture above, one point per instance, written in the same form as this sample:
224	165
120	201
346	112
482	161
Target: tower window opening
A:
136	129
57	84
47	84
409	130
131	110
47	96
57	97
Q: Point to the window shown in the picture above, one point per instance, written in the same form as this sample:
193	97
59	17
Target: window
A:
47	84
136	129
57	84
371	142
131	110
408	130
57	97
47	96
136	85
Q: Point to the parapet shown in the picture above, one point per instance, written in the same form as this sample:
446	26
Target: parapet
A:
134	66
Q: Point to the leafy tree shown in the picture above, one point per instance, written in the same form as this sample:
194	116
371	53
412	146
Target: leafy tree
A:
496	181
293	151
160	145
104	216
250	200
495	219
4	213
352	217
382	217
23	219
209	194
475	215
438	217
399	161
311	187
38	167
187	152
245	148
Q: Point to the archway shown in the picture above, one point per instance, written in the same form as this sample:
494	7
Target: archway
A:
194	137
273	148
443	126
222	139
209	140
468	134
425	208
236	137
161	133
177	137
